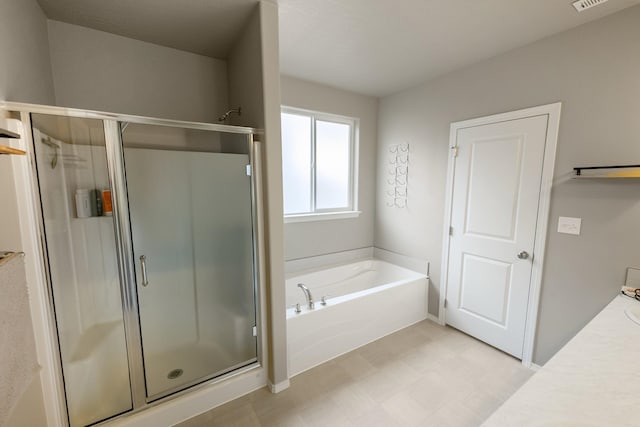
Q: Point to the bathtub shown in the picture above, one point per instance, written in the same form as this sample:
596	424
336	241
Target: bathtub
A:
365	300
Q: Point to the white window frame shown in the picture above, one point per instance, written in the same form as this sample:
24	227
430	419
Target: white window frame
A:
350	211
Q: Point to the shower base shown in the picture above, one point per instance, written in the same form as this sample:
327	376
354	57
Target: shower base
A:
195	362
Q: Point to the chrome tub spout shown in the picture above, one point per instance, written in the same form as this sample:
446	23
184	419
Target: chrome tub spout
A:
307	294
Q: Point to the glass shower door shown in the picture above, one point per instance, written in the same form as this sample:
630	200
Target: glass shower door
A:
192	233
73	180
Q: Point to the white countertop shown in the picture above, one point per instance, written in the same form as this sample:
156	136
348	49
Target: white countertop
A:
593	381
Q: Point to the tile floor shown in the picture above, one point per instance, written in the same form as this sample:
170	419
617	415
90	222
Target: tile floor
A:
424	375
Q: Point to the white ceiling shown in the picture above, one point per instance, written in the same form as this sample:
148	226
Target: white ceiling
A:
378	47
374	47
206	27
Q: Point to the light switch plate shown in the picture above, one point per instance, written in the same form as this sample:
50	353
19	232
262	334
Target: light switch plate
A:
569	225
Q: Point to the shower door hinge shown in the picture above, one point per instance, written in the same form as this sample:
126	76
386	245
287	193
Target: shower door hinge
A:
254	331
248	170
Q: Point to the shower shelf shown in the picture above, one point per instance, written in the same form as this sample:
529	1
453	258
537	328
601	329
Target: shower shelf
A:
608	172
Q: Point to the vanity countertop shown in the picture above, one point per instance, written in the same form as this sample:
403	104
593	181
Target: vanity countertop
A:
593	381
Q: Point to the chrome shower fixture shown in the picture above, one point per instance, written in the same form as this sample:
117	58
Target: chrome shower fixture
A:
54	147
226	115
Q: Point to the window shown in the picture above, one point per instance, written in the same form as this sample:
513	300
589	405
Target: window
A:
318	163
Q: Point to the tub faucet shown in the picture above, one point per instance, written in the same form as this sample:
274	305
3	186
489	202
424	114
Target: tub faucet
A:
307	294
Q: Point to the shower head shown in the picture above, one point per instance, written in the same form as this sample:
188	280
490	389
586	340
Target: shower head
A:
226	115
46	140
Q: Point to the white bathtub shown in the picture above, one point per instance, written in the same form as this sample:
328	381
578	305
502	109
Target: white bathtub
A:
366	301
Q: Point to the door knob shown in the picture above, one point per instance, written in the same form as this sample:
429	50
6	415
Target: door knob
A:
523	255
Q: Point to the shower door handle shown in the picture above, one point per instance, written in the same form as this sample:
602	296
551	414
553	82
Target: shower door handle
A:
143	269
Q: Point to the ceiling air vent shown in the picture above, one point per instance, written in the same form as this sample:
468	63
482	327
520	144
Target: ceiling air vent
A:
581	5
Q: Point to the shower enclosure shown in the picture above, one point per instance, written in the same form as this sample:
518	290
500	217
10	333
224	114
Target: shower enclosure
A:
148	230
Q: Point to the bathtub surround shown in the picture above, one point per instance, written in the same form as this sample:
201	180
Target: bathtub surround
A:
345	257
316	262
415	264
307	239
592	70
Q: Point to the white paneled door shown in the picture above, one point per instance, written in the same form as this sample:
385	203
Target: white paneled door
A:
494	210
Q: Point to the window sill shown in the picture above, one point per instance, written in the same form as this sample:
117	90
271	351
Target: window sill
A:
325	216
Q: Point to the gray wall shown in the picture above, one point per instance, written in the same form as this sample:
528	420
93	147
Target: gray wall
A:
25	76
273	177
101	71
246	86
305	239
254	84
593	71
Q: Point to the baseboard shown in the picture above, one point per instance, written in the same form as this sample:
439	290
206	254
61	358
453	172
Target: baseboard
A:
433	318
277	388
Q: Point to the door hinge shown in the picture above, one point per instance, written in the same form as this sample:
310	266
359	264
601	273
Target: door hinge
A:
446	303
450	231
455	151
254	331
248	170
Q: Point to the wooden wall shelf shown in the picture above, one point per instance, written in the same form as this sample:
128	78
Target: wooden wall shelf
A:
9	130
8	150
